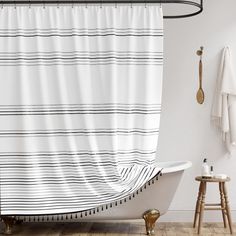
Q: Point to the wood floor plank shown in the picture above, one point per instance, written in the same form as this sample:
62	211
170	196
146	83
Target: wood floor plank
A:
115	229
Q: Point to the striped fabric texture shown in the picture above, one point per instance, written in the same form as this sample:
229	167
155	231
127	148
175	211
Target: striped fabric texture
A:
80	105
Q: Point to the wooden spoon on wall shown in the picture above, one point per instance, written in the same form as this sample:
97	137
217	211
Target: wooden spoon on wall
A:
200	93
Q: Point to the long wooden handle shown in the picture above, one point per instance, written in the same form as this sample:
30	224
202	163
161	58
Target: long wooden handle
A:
200	73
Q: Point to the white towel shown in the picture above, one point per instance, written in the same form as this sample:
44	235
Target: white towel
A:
224	104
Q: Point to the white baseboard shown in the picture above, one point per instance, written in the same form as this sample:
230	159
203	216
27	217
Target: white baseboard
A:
187	216
184	216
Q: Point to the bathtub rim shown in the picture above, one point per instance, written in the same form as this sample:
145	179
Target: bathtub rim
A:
174	166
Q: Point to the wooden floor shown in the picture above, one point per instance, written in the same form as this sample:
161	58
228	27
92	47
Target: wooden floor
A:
115	229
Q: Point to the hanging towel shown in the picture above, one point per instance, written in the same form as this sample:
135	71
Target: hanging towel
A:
80	105
224	105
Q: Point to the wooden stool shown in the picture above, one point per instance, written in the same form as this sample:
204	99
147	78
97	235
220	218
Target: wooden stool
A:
223	205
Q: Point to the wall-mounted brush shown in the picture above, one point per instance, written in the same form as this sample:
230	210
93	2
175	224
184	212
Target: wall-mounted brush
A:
200	93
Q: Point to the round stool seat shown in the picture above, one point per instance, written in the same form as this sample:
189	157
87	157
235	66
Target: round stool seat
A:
212	180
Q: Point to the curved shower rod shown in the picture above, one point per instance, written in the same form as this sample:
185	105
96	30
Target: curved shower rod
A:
197	5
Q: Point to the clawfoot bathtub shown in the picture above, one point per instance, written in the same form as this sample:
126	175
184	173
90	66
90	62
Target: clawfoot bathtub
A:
153	201
150	203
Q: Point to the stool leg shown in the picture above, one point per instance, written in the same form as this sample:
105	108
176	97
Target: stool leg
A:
202	206
222	202
197	209
227	208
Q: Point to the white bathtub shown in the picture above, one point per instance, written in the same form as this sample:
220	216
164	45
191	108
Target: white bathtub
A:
156	196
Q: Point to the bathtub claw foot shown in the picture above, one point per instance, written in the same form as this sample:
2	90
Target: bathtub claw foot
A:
9	222
150	218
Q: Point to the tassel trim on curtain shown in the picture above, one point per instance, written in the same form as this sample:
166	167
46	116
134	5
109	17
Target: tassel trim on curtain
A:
94	211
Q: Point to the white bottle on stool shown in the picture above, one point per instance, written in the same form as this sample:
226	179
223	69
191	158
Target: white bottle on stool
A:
205	169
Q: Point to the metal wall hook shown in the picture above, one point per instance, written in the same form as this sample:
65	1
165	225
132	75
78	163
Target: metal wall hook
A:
200	52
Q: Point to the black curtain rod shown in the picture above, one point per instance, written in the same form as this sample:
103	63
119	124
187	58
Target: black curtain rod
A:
197	5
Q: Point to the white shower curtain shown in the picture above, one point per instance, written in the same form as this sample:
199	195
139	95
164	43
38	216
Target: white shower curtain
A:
80	103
